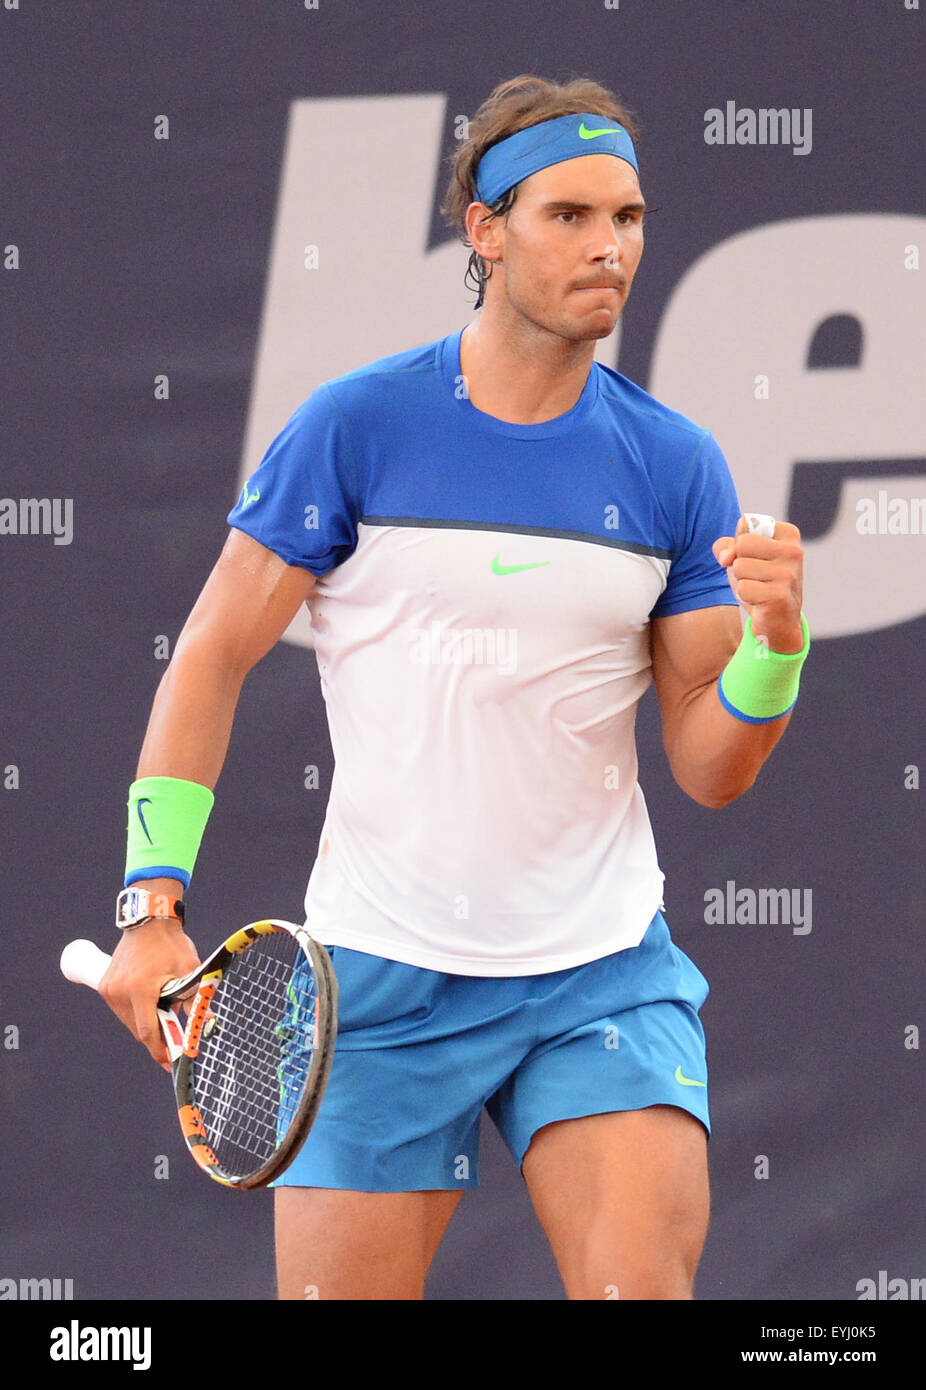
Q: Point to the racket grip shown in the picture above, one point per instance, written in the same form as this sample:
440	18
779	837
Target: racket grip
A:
83	963
760	524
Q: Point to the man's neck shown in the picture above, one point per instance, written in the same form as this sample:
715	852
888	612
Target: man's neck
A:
521	373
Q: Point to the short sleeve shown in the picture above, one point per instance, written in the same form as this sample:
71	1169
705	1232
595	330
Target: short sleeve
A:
304	499
707	509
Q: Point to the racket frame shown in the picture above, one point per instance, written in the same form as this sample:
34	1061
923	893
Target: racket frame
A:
183	1041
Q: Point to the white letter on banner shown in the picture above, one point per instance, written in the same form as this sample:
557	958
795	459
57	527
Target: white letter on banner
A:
752	304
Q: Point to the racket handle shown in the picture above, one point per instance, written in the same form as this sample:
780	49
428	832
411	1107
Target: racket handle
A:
760	524
83	963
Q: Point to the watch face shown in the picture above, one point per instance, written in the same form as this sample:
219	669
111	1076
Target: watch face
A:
128	907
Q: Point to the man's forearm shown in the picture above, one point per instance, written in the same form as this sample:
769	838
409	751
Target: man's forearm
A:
191	719
190	727
716	756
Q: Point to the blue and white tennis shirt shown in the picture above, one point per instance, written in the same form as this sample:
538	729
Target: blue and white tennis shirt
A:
482	638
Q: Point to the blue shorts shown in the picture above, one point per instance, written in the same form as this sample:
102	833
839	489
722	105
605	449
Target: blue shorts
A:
419	1053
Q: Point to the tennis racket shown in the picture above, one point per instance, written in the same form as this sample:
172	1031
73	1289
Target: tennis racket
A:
251	1065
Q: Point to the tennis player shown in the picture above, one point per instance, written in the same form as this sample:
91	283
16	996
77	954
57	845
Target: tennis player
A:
502	544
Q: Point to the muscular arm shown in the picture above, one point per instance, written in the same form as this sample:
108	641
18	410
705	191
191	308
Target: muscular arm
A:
714	756
245	606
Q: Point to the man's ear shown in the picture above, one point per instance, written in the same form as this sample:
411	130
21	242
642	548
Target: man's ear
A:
484	236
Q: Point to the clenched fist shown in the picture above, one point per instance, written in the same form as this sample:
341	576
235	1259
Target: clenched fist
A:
766	575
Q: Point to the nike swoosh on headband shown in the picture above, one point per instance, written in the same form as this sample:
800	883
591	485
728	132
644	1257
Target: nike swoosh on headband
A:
586	134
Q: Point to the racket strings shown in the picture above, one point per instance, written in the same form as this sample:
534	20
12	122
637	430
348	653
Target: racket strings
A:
256	1053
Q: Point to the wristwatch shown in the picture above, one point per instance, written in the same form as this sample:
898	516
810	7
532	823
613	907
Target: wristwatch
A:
136	905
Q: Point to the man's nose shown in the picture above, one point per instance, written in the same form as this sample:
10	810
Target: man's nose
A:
609	254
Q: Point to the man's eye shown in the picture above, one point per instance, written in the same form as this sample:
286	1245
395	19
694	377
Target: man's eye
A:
623	218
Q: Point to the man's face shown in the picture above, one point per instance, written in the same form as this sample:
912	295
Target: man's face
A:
571	246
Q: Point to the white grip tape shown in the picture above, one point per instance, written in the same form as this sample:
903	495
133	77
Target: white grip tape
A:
83	963
760	524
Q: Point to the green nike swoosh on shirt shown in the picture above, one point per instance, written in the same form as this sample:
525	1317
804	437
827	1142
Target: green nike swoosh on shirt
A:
499	568
586	134
685	1080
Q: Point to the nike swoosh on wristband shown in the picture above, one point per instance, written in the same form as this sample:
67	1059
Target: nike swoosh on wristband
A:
686	1081
142	819
499	568
586	134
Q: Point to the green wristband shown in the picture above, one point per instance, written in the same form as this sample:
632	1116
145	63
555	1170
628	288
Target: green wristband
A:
758	685
167	817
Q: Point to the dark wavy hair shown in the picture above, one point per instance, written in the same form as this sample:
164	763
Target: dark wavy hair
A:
515	105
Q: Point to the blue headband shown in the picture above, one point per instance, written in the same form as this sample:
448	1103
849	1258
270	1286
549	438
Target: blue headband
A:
564	137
